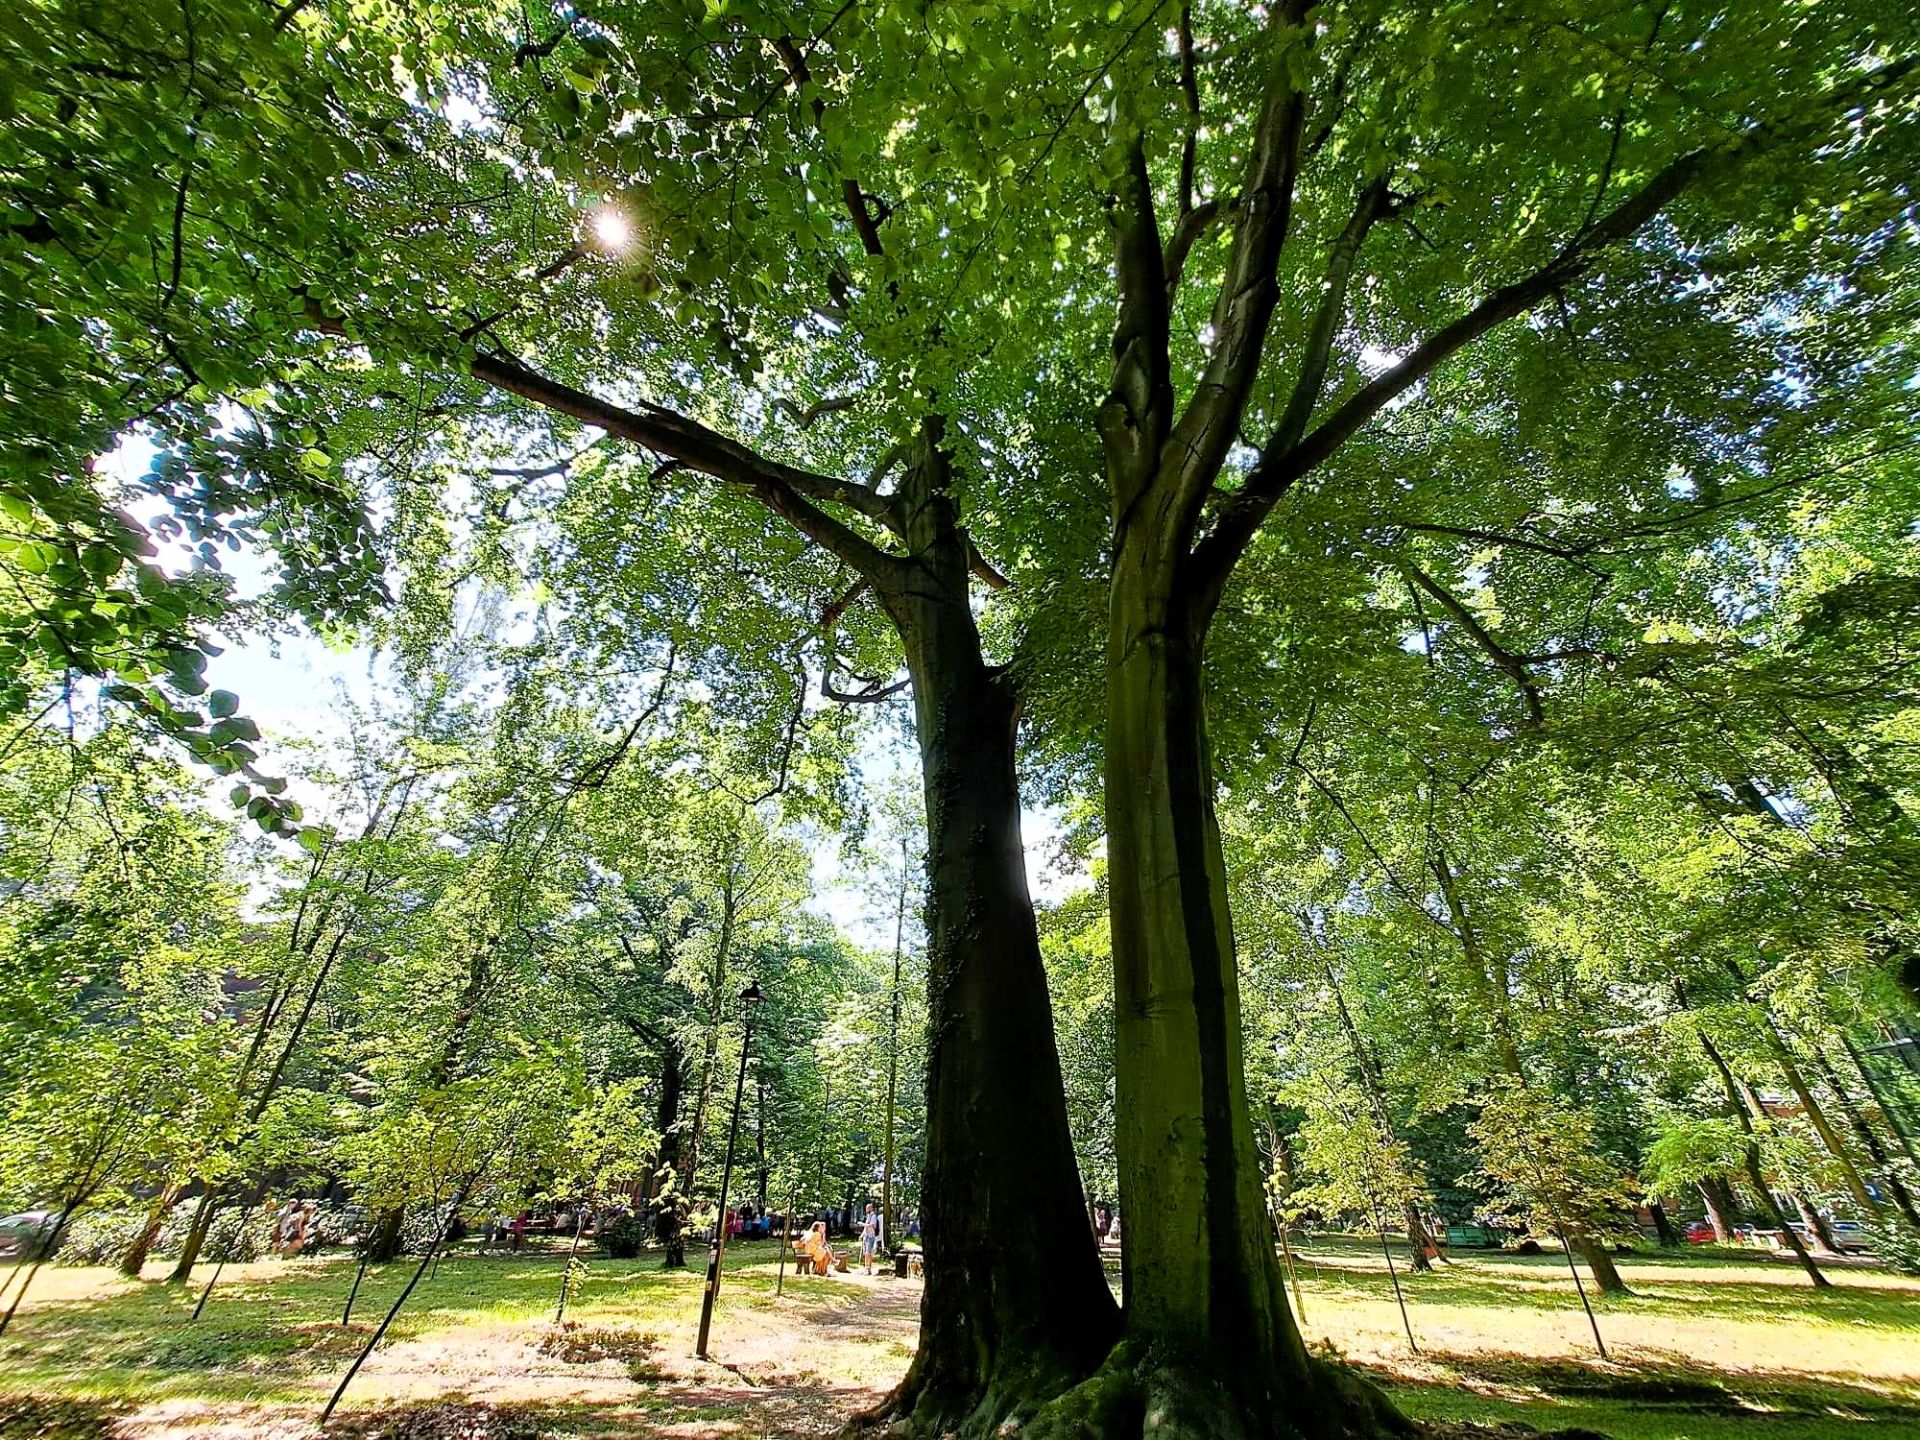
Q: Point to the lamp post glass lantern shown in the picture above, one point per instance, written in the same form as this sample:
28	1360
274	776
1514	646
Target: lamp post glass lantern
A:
750	999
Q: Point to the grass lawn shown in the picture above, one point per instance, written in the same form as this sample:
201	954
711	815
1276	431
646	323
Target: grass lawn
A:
1711	1346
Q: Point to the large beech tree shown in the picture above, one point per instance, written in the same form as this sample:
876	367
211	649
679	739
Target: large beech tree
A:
860	266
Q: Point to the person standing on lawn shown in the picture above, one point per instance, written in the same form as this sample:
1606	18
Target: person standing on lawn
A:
869	1238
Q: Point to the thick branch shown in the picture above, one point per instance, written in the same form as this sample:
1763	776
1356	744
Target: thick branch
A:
872	695
1193	224
1138	412
1372	204
863	221
1190	91
785	489
1278	468
984	569
803	419
1243	311
1503	658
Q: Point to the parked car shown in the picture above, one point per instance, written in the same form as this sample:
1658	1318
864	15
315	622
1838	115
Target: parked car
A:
18	1233
1847	1234
1699	1232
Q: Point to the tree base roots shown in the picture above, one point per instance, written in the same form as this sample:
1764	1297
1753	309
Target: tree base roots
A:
1140	1394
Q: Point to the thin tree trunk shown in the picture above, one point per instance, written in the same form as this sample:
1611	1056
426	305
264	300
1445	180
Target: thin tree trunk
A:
760	1140
1810	1217
1869	1141
44	1252
1887	1110
433	1251
1375	1088
566	1270
196	1237
135	1258
1572	1269
1738	1099
1817	1115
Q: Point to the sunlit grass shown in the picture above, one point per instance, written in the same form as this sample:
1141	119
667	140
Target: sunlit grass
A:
1711	1346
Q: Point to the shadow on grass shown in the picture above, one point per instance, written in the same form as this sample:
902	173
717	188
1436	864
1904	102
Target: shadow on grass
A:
461	1420
37	1417
1662	1286
1643	1400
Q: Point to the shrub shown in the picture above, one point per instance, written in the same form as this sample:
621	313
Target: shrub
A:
101	1237
625	1238
1896	1245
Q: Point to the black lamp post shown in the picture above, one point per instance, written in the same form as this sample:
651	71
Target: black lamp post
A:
750	998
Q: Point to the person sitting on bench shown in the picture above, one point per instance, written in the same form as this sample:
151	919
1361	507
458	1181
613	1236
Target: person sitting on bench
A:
816	1252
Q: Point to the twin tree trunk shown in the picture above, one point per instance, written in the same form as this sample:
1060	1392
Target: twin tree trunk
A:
1206	1311
1016	1308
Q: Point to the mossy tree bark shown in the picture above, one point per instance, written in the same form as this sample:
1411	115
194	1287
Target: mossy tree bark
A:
1211	1345
1199	1272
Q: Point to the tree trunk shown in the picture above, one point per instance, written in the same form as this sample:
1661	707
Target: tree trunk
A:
1664	1227
1815	1222
1489	988
196	1238
667	1209
1418	1240
1723	1207
135	1259
1206	1308
1599	1262
384	1243
760	1142
1739	1098
893	1060
1887	1111
1869	1141
1374	1084
1817	1115
710	1051
1016	1307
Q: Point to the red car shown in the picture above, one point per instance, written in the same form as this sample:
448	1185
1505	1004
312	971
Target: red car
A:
1699	1232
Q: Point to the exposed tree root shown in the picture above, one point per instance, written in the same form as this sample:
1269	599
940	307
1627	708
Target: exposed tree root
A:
1136	1392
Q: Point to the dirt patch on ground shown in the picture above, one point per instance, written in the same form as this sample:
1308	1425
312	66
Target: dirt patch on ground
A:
588	1345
